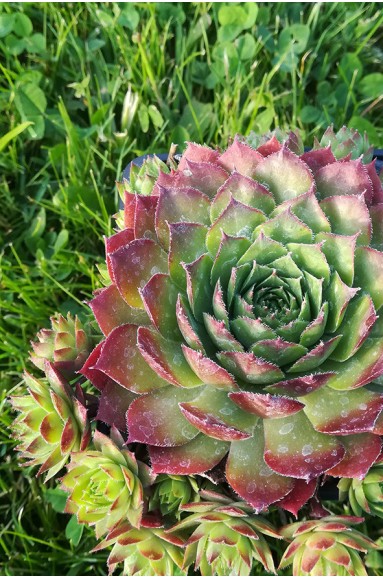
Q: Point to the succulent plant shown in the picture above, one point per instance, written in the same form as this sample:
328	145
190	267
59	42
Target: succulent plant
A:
242	317
326	547
270	142
242	347
346	141
105	485
147	551
227	537
52	421
141	181
66	345
171	492
365	495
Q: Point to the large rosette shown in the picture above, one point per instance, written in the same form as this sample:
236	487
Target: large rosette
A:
243	319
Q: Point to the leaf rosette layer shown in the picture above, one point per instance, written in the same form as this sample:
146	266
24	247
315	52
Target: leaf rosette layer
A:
366	495
227	539
144	551
66	345
326	547
105	485
52	421
242	319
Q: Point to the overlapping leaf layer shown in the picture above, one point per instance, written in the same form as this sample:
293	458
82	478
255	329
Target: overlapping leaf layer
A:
242	318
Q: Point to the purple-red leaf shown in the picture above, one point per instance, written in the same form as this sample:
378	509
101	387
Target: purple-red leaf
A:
251	477
111	310
114	403
156	419
195	457
240	157
133	266
121	360
303	490
266	405
208	371
362	451
165	357
294	448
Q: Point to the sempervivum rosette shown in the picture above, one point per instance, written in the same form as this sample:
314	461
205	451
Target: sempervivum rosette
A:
243	319
227	538
66	345
105	485
326	547
147	551
52	421
366	495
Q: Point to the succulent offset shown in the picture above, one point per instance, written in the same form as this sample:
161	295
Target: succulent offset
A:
243	317
326	547
52	422
227	538
147	551
241	364
66	345
172	492
365	495
105	485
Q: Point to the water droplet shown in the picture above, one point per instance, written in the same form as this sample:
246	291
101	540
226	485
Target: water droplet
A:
307	450
265	472
187	432
226	411
362	406
283	449
287	428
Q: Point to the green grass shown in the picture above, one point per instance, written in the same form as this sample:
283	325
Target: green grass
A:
103	83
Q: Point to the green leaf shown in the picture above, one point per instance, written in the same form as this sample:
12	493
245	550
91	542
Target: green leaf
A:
232	14
6	24
14	45
197	118
35	44
251	9
246	47
73	531
264	120
57	498
22	25
61	241
143	117
310	114
180	135
351	67
155	116
4	140
80	87
371	85
95	44
31	103
242	16
362	124
37	227
229	33
129	17
294	38
197	31
105	19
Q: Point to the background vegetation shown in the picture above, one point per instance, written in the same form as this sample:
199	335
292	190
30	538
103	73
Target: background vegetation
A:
86	87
